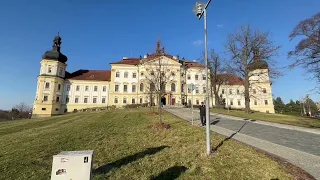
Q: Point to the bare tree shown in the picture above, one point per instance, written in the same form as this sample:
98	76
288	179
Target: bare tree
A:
250	49
23	107
219	75
159	73
307	51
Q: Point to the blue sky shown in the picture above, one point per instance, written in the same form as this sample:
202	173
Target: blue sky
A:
97	32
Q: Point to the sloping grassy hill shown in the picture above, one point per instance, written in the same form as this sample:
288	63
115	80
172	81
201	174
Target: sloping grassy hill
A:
127	148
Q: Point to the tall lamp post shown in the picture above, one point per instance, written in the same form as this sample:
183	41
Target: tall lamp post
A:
200	10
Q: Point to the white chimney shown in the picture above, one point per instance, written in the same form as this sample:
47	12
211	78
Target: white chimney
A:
145	56
125	58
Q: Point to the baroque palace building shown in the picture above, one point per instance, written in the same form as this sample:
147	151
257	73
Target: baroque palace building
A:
128	82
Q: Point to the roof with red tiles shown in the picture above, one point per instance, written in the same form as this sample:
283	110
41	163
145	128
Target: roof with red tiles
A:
231	78
129	61
94	75
192	64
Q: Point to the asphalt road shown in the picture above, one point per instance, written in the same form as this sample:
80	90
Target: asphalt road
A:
299	140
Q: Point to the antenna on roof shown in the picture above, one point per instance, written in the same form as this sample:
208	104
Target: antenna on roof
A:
59	32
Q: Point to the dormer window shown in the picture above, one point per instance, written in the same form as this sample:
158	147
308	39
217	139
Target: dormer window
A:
91	77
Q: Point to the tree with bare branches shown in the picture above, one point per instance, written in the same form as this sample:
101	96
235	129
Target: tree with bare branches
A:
251	50
307	51
159	74
219	72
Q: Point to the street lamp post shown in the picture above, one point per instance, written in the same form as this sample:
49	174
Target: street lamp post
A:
201	10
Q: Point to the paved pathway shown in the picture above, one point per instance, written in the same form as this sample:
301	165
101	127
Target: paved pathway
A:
299	147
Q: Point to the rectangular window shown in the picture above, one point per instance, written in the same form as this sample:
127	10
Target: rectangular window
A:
222	91
58	99
95	88
87	88
68	88
141	100
77	88
255	102
133	88
45	98
57	109
103	100
47	85
76	100
117	74
204	77
238	92
264	90
116	88
133	101
60	71
189	90
254	91
196	77
197	90
59	87
43	109
124	101
189	77
116	100
265	102
85	100
104	89
134	75
49	69
67	99
197	101
230	91
239	103
204	89
142	74
125	88
231	102
126	75
94	100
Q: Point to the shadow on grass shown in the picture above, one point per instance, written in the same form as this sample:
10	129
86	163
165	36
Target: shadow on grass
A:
104	169
226	139
171	173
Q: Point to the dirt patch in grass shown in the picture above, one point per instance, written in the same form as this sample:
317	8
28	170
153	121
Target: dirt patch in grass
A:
153	113
161	126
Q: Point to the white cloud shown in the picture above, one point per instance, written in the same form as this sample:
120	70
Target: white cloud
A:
219	25
197	42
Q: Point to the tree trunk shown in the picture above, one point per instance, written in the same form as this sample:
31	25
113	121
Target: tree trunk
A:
160	113
212	94
247	95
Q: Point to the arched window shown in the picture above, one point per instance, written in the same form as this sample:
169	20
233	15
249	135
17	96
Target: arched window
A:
173	87
141	87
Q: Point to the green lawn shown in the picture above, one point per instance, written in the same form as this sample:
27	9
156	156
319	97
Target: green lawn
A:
127	148
277	118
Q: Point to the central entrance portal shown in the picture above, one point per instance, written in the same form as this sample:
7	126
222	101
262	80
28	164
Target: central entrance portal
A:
163	100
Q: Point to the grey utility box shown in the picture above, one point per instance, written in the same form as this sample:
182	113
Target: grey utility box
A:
72	165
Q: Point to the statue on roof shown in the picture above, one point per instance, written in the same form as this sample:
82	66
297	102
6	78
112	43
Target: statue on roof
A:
57	43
